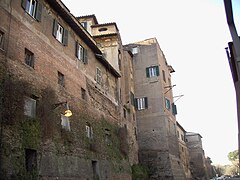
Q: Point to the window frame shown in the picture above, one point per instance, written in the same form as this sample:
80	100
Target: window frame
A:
29	58
141	103
61	79
60	33
167	104
30	107
33	9
81	53
89	131
152	71
2	35
98	76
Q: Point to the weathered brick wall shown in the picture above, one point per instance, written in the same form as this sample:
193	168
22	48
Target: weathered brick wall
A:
60	153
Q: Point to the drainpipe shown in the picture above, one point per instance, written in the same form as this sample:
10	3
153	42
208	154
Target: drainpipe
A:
236	44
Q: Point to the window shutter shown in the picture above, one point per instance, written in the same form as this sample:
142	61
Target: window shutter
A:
147	72
85	56
157	70
136	103
55	26
24	3
146	102
65	37
174	109
76	49
39	11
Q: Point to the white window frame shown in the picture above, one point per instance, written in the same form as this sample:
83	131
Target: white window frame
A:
31	7
80	52
135	50
59	33
30	107
89	131
141	103
98	76
152	71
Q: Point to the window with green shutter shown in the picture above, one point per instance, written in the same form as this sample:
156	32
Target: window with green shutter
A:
141	103
60	33
33	8
152	71
167	104
81	53
174	109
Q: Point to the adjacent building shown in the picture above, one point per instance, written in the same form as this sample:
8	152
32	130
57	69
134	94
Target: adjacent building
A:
197	155
183	150
155	110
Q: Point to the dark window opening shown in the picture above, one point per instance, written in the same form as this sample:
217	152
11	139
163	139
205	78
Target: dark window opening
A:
95	170
102	29
60	79
83	94
30	160
1	39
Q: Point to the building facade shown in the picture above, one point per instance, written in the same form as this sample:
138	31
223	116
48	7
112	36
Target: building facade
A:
49	62
197	156
155	110
183	150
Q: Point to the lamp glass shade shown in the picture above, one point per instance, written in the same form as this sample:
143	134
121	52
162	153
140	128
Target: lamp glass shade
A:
68	113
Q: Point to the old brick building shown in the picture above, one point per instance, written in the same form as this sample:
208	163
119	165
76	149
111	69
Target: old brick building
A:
51	61
197	155
156	122
183	150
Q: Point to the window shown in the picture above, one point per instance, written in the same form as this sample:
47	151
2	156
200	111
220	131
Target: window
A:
167	104
164	77
65	122
98	76
29	58
33	8
124	113
135	50
132	98
89	131
83	94
30	107
60	33
30	160
141	103
178	134
174	109
60	79
1	39
152	71
182	137
95	170
81	53
84	24
107	136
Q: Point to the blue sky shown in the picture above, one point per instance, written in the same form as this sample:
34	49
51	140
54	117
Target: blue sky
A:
193	35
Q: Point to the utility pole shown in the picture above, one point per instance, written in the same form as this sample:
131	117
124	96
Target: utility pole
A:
236	61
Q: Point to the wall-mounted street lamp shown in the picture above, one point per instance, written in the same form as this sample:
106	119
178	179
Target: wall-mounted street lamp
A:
67	112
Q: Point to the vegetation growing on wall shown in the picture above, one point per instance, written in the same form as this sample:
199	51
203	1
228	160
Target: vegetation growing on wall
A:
140	172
